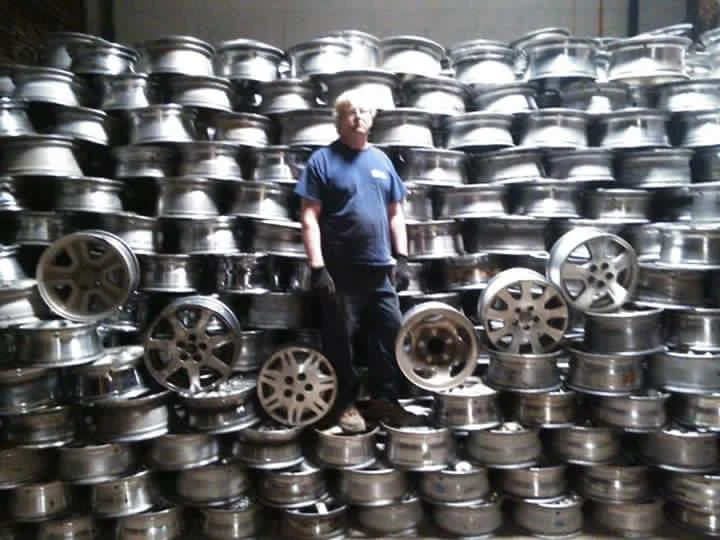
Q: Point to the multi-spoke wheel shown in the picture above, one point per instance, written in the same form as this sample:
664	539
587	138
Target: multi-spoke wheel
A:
436	347
594	270
522	312
191	345
86	276
297	386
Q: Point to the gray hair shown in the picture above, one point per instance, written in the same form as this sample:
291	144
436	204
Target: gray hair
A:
353	98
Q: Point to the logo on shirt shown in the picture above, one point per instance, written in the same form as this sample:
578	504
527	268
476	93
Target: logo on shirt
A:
380	175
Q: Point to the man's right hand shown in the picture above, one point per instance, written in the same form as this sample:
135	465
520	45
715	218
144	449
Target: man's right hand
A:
321	282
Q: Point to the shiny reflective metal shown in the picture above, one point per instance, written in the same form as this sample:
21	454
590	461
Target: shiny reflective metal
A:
468	406
522	312
284	95
585	444
228	408
164	272
73	527
179	451
393	518
47	427
47	85
138	232
541	481
622	205
511	98
297	386
219	483
478	130
99	57
127	91
679	449
279	311
269	446
247	60
57	50
554	128
434	166
83	124
307	127
374	485
418	448
211	159
206	236
324	519
467	272
8	199
685	372
25	389
436	346
24	466
697	411
404	127
630	331
88	194
282	238
560	57
183	55
124	496
689	246
57	343
483	63
292	488
318	56
648	59
458	483
604	374
645	239
689	95
506	166
39	502
186	197
700	521
618	482
233	521
365	48
438	95
261	200
432	239
473	200
556	408
596	97
204	92
19	303
654	167
240	128
705	164
417	205
337	450
546	198
146	161
698	491
559	517
39	155
116	375
280	164
87	275
412	55
247	273
159	524
641	412
595	271
633	128
525	373
508	446
478	518
164	123
14	120
87	464
132	419
695	329
693	203
190	345
697	128
254	347
380	87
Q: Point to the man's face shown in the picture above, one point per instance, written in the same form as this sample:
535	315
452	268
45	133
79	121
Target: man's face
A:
355	120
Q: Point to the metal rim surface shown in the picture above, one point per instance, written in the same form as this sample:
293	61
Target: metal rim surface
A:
191	345
85	276
595	270
297	386
523	312
436	347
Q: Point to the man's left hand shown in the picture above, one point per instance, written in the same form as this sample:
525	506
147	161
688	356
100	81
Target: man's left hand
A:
401	273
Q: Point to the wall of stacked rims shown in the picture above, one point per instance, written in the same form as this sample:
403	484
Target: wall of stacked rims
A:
162	374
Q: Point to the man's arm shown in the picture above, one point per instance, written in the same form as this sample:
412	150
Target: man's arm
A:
309	217
398	233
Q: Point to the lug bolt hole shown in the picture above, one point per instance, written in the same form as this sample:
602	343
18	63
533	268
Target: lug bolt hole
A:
184	356
593	268
609	276
600	284
604	266
181	344
289	381
287	393
301	377
202	346
299	397
591	279
308	387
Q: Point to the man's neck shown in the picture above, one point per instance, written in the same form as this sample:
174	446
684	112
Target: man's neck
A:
356	142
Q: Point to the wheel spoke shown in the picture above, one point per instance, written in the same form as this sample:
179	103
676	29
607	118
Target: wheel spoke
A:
496	334
325	383
586	298
202	322
170	369
617	292
295	412
534	340
214	363
574	272
505	296
598	248
193	373
159	344
621	262
57	273
526	288
493	314
319	408
271	377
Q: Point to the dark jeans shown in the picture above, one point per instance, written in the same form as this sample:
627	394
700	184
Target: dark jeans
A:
365	302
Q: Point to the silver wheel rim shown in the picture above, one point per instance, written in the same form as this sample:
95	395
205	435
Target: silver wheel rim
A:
297	386
436	347
191	345
86	276
594	270
522	312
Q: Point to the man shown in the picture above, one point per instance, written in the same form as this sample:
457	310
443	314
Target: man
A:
353	224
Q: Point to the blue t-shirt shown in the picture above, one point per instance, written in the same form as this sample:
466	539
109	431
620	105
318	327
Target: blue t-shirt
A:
355	188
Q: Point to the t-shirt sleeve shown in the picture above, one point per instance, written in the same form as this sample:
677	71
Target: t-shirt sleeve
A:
398	191
310	183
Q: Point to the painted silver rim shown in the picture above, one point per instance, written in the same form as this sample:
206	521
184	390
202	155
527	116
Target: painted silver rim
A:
594	270
297	386
191	345
436	347
86	276
522	312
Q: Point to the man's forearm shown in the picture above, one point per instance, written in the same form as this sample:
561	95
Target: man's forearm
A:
313	246
398	234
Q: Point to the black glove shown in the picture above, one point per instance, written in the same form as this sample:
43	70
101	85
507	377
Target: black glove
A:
321	282
401	273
